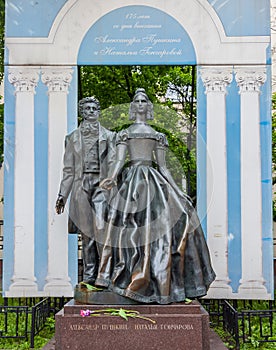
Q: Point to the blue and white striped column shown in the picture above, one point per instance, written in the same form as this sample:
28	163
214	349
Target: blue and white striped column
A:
58	80
216	80
250	80
23	280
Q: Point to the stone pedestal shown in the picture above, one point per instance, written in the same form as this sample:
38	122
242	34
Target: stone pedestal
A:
176	326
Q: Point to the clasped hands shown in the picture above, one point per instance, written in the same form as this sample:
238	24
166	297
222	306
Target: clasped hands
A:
108	183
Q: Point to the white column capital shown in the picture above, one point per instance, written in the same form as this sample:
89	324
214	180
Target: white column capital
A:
24	79
57	79
216	79
250	79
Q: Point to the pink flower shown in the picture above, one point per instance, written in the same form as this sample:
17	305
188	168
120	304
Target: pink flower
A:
85	313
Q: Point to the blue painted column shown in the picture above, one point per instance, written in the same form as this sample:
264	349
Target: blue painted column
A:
24	80
216	80
250	80
58	80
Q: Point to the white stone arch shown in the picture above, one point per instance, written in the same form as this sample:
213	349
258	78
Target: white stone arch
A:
205	30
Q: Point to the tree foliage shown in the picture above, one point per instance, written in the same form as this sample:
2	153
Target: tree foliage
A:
114	85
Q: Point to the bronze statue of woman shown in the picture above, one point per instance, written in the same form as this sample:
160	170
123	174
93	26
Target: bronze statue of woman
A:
153	247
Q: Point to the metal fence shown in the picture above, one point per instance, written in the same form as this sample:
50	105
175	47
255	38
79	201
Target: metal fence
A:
26	321
243	320
246	321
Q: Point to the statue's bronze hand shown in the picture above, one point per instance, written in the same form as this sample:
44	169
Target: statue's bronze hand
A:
60	205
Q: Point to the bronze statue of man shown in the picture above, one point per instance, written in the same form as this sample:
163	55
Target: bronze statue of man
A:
89	153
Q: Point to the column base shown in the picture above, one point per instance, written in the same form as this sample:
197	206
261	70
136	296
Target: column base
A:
253	290
58	287
22	287
220	289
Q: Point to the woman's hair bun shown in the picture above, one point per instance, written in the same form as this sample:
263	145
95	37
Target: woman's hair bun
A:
140	90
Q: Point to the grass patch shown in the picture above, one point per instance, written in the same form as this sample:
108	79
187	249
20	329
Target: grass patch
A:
44	336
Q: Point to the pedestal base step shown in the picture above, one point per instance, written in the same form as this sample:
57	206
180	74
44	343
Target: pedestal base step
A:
175	326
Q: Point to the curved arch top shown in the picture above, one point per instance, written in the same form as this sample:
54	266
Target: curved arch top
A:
197	17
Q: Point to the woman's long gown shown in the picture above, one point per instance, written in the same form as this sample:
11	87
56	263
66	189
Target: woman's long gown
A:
154	250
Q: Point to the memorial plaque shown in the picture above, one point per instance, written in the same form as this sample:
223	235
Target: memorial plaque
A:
175	326
134	34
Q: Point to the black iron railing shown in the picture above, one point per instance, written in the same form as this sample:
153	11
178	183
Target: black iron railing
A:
18	317
25	322
40	313
238	318
241	321
231	321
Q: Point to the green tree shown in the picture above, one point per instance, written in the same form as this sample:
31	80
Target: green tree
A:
114	85
181	82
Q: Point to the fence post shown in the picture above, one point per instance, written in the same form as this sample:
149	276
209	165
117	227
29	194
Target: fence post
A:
33	327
